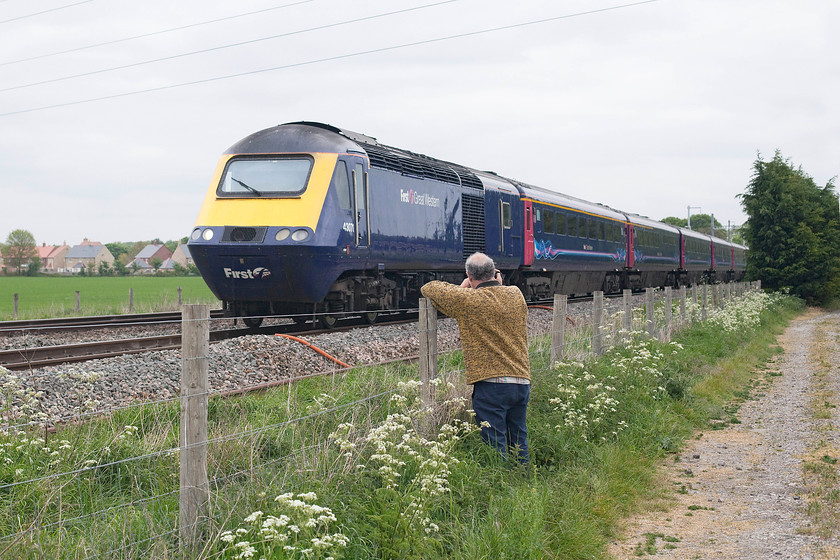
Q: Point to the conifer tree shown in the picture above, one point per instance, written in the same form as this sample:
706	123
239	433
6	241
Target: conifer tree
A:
793	231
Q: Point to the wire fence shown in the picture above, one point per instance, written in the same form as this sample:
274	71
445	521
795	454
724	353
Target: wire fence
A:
163	477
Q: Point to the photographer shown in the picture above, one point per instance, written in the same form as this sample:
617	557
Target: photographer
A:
492	320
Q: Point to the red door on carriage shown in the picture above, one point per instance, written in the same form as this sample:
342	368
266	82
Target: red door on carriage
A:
528	237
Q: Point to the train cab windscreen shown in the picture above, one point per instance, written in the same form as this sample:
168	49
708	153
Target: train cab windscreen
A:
269	177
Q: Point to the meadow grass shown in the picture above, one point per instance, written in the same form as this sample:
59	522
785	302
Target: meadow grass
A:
340	466
55	296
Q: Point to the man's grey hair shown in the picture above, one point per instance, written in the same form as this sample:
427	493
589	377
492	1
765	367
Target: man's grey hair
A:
480	267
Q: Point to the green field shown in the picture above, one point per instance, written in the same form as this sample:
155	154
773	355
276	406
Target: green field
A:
55	296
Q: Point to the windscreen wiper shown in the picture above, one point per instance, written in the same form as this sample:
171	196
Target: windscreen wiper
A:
250	188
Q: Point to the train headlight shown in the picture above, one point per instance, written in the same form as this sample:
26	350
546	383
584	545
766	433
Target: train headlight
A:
300	235
196	234
208	234
283	234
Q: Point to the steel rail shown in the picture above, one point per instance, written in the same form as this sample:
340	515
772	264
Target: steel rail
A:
12	328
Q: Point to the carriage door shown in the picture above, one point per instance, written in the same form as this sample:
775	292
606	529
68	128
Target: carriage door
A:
631	245
505	226
528	241
361	199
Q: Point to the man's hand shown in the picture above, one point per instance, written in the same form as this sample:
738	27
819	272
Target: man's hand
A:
466	283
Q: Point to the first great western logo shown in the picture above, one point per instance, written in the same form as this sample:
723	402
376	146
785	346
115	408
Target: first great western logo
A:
417	198
255	274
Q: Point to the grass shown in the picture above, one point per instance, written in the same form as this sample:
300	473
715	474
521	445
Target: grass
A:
55	296
319	440
819	470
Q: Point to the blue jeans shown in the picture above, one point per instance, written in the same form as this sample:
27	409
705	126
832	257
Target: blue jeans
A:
503	406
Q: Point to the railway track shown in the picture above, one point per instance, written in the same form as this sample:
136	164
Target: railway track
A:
36	357
16	328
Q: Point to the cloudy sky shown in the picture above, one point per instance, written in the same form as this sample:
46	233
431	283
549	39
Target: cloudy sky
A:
113	113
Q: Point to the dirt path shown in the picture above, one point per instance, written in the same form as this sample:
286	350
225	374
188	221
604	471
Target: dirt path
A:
762	489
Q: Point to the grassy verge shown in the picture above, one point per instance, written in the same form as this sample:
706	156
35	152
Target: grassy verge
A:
341	467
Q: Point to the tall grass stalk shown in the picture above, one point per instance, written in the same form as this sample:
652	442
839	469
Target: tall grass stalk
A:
338	467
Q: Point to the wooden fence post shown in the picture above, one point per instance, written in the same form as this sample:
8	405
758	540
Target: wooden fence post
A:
649	318
597	323
695	296
558	328
16	306
682	305
131	300
666	335
705	302
428	363
627	307
78	301
179	295
195	488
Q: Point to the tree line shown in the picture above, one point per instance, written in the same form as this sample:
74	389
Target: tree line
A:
706	223
20	252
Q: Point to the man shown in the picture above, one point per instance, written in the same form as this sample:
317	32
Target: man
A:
492	321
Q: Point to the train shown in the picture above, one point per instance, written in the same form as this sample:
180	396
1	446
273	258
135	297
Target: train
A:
308	220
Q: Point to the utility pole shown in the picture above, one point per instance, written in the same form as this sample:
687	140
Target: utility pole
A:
690	208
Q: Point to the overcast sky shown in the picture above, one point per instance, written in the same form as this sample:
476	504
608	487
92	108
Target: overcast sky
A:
648	107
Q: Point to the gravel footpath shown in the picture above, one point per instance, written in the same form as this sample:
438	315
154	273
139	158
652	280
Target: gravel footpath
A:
747	493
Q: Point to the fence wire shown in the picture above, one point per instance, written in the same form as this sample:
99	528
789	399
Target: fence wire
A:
107	485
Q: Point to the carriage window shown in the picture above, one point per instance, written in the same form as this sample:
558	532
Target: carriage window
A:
251	177
342	186
560	223
583	227
548	221
506	221
573	226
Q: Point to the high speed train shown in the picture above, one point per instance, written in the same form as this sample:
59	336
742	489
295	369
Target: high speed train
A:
307	219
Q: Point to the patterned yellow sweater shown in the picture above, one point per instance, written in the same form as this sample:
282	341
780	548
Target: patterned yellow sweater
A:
492	321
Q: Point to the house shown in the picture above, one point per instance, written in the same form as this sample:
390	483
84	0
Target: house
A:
53	257
151	252
182	255
87	257
139	266
167	265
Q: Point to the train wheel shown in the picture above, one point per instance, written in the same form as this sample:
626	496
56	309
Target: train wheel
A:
370	317
328	321
252	322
